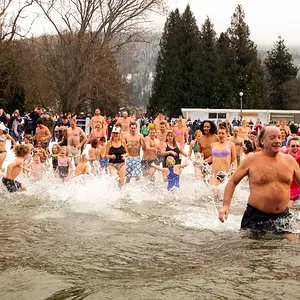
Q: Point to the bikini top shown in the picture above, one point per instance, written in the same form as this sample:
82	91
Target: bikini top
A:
176	132
94	136
221	154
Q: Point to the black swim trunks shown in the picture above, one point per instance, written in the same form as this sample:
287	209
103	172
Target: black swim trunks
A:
12	185
146	165
260	222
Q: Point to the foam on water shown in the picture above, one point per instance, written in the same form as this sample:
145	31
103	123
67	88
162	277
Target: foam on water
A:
193	206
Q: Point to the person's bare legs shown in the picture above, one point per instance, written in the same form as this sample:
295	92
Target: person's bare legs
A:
2	159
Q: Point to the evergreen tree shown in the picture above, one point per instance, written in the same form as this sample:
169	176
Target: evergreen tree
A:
166	90
177	82
249	77
227	69
280	68
190	52
209	63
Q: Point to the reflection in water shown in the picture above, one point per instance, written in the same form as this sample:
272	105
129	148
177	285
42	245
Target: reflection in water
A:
87	239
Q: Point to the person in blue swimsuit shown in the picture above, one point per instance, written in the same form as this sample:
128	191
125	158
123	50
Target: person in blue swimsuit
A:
172	172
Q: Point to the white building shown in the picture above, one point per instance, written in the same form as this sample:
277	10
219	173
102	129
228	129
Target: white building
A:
265	116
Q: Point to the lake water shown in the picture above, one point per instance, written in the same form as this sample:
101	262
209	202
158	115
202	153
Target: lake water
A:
87	239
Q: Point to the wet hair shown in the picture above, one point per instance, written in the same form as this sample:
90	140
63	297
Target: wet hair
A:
83	158
39	122
294	138
132	124
21	150
170	161
102	139
94	143
213	128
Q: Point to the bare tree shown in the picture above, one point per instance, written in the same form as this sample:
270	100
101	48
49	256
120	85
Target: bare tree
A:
87	34
10	16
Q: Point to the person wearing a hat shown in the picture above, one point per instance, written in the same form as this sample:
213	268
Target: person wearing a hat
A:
116	152
3	138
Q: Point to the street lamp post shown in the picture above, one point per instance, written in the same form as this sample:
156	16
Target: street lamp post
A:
241	95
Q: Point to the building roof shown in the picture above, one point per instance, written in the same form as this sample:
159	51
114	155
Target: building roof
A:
244	110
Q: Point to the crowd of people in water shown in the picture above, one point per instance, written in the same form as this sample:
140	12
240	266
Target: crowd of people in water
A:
129	148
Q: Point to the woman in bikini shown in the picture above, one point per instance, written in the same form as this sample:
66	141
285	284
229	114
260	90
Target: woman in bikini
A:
97	133
3	138
244	130
223	156
116	152
181	133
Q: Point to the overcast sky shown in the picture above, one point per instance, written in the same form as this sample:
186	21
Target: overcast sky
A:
266	18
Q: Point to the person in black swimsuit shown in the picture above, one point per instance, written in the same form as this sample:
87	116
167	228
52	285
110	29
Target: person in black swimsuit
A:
171	148
116	152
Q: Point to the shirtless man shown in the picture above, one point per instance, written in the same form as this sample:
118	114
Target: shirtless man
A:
239	144
151	149
270	175
208	129
76	138
285	127
125	122
161	133
134	142
42	133
97	118
158	122
15	168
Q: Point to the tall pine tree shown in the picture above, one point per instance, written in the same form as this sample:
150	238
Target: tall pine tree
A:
280	68
249	77
209	65
227	69
189	48
177	82
167	86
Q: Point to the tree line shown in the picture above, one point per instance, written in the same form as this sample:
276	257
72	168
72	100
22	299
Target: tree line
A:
198	69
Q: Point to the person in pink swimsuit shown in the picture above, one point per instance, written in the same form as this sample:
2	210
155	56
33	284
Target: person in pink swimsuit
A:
181	133
97	133
293	147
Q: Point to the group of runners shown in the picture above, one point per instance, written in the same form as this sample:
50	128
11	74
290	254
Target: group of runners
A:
273	170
